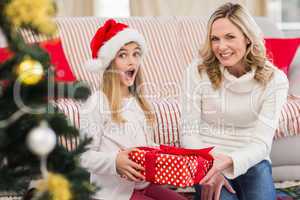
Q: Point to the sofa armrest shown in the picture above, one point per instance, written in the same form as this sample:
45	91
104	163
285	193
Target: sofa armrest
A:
70	108
6	195
289	121
166	130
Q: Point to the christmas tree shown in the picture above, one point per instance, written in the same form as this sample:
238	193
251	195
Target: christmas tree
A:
29	123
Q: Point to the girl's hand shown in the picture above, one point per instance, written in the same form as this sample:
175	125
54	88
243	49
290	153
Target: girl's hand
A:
127	168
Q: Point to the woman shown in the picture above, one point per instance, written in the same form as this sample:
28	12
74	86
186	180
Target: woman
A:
232	98
118	117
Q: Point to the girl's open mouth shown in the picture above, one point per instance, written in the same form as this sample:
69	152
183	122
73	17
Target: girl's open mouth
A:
130	73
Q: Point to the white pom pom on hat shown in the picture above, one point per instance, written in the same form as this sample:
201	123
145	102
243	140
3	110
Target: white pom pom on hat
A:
108	40
93	65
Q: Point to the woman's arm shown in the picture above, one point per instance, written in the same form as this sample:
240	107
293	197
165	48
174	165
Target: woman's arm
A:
263	132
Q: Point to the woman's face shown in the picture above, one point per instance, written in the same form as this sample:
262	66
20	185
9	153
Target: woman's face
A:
127	62
228	43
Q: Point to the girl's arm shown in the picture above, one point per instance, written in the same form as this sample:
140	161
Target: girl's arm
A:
92	118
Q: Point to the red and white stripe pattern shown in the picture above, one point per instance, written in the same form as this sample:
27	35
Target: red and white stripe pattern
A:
162	67
289	122
172	43
70	108
76	34
167	114
192	32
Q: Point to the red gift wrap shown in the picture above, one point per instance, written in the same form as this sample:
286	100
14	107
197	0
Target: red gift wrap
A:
172	165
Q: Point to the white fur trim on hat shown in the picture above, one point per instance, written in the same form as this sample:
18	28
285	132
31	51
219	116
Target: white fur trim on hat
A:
94	65
110	48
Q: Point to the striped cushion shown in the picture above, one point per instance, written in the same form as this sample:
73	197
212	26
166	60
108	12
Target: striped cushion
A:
192	35
70	108
167	114
289	123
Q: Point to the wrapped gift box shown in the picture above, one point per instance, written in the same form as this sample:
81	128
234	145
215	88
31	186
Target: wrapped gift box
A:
172	165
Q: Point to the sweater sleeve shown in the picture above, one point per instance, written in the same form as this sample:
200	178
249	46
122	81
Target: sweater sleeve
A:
92	118
190	105
263	132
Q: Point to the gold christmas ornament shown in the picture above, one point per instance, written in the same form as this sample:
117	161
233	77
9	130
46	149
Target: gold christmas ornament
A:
57	185
30	72
37	13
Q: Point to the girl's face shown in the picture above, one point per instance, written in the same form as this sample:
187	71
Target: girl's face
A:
127	63
228	43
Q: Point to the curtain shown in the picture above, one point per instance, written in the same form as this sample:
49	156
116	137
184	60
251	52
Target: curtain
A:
75	7
189	7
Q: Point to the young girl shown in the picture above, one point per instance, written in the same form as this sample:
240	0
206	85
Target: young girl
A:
118	117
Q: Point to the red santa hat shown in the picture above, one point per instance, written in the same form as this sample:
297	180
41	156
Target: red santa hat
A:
108	40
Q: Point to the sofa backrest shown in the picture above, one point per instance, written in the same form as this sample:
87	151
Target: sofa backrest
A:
172	44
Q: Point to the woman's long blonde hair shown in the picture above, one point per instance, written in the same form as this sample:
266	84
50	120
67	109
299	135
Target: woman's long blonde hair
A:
111	87
255	55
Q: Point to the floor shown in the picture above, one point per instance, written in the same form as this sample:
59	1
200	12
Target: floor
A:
284	192
290	193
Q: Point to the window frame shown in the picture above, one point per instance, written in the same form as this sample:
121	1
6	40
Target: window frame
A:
276	16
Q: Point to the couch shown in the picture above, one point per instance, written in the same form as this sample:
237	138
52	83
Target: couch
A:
172	43
285	153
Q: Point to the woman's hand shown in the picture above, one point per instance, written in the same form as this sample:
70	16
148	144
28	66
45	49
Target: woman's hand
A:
211	189
221	162
127	168
214	180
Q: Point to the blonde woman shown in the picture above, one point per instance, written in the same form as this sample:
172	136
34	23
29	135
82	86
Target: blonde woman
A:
118	117
232	98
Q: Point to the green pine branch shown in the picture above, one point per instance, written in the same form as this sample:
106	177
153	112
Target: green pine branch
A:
18	165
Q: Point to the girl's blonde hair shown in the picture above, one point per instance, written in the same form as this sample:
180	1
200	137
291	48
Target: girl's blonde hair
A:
255	56
111	87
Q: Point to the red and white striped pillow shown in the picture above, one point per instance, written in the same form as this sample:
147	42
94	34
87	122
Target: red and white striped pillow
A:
289	121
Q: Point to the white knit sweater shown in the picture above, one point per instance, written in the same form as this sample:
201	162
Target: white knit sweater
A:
108	139
239	119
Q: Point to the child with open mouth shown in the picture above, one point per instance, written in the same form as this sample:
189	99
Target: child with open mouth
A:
118	118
